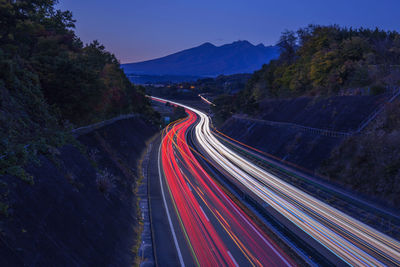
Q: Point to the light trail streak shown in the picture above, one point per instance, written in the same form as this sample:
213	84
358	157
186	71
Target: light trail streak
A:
207	215
351	240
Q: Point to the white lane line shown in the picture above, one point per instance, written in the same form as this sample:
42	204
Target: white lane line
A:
190	188
166	209
233	259
204	213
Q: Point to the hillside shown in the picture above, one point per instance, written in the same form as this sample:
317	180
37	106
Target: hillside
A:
322	61
82	208
60	195
208	60
330	78
296	145
330	60
222	84
370	163
51	82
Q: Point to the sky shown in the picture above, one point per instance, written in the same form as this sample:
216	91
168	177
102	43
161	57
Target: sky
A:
137	30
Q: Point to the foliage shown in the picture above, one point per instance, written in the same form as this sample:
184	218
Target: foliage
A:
178	113
223	108
106	182
227	105
49	79
370	163
223	84
327	60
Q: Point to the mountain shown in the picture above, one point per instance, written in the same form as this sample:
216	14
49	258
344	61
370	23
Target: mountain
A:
208	60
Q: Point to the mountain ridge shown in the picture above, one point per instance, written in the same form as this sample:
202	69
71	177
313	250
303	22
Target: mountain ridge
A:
208	59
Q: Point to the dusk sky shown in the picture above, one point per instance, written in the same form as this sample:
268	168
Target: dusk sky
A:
136	30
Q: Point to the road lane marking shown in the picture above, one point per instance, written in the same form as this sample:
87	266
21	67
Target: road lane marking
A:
233	259
204	213
190	188
166	209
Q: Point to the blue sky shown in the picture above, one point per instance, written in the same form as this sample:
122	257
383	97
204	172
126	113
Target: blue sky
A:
136	30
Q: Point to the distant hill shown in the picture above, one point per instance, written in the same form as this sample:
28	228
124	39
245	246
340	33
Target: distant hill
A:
208	60
162	79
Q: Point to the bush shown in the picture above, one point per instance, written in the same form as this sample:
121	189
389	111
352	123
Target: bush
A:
105	182
179	113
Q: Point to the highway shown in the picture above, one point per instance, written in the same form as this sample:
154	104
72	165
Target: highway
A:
350	240
217	231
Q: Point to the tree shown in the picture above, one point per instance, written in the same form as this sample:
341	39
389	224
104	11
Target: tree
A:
287	43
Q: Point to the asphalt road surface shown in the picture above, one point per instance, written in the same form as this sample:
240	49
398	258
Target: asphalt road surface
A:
216	230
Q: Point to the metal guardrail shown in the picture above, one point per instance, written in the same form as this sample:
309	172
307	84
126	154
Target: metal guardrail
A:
393	95
86	129
294	125
367	120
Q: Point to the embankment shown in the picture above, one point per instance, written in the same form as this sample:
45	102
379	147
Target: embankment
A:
82	208
306	148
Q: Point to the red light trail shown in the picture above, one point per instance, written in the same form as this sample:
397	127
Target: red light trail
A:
351	240
203	208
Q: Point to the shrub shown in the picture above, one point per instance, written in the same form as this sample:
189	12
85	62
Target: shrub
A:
105	182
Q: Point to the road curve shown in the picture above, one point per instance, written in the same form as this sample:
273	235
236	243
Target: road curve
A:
217	231
349	239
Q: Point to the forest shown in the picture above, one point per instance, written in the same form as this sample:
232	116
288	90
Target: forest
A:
322	61
50	82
